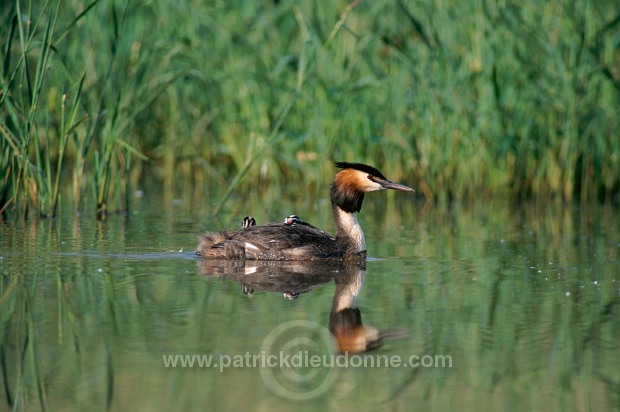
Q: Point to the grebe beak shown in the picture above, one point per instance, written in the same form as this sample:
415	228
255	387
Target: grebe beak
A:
386	184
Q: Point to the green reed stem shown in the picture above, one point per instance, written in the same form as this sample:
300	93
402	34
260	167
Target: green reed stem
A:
302	75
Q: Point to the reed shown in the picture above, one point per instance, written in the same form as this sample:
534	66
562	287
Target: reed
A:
517	98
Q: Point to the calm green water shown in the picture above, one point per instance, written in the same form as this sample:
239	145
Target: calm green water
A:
519	306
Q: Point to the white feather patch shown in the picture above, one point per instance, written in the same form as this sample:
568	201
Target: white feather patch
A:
250	246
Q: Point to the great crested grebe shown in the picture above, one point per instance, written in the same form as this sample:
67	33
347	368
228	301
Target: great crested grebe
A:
297	240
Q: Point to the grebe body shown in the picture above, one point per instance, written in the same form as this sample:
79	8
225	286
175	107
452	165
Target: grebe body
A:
297	240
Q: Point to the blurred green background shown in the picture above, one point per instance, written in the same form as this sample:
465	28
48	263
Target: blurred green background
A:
515	99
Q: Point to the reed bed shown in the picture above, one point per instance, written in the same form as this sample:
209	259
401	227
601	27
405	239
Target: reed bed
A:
459	99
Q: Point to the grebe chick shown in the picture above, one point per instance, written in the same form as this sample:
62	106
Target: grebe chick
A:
295	220
299	241
248	221
291	220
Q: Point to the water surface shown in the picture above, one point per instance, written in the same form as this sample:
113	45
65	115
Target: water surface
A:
522	301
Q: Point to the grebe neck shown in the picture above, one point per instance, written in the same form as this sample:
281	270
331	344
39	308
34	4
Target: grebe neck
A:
348	230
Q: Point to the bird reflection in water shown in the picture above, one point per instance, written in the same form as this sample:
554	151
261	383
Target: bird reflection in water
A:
295	278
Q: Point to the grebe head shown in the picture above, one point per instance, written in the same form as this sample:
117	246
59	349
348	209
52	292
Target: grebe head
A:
292	219
350	184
